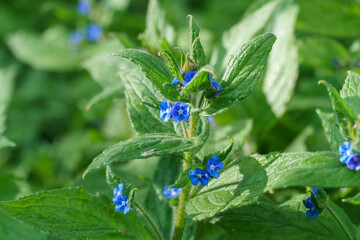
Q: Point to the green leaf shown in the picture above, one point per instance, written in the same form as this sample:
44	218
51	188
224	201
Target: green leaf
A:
353	200
132	197
145	146
220	154
350	92
333	17
157	28
341	109
200	82
183	179
113	180
72	213
247	177
282	68
247	28
175	70
260	218
155	202
106	95
7	77
153	69
244	70
197	54
332	131
49	51
319	52
144	119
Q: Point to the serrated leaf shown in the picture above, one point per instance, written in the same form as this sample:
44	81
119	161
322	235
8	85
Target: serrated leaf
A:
247	177
332	131
260	218
247	28
341	109
145	146
350	92
244	70
200	82
183	179
72	213
197	54
153	69
282	68
157	28
144	119
353	200
174	68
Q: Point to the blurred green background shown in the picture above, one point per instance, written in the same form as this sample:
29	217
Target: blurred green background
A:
49	83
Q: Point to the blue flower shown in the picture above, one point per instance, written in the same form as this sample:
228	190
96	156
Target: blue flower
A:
346	151
188	76
211	119
122	204
93	32
172	192
309	204
175	81
75	37
165	109
199	175
118	191
213	165
180	111
354	162
120	200
214	84
83	7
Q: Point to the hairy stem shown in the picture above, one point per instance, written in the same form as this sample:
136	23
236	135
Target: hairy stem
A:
151	222
180	218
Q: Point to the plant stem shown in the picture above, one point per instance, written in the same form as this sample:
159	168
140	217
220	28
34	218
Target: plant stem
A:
148	218
186	134
180	218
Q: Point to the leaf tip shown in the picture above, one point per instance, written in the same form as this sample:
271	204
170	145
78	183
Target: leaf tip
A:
321	82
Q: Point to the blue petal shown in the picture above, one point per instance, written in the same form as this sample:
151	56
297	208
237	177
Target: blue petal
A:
121	188
316	214
350	164
175	81
119	207
164	105
185	82
315	191
216	86
189	75
344	159
213	173
192	174
211	79
204	181
177	118
195	181
309	213
126	209
185	117
115	192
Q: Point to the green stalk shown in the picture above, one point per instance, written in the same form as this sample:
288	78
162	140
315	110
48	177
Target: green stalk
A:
180	220
148	218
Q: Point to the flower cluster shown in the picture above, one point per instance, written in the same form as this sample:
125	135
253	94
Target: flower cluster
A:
189	76
309	204
351	159
202	175
92	32
172	192
178	111
120	200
